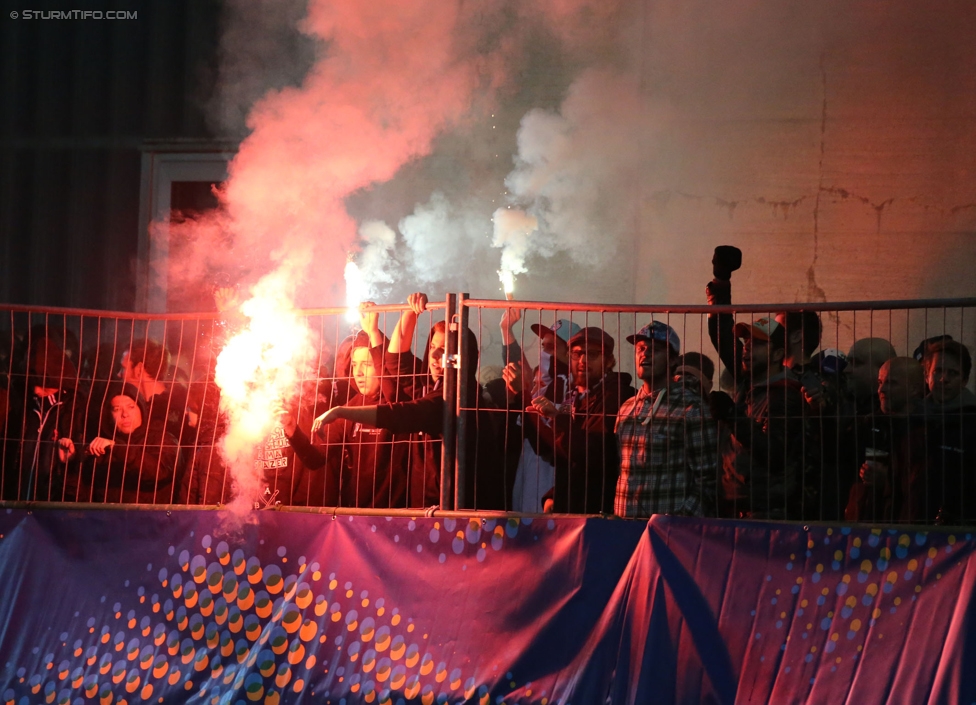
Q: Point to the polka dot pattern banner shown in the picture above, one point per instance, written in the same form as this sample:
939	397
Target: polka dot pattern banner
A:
120	607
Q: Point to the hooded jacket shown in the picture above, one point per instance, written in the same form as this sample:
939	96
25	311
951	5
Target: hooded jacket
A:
423	419
139	468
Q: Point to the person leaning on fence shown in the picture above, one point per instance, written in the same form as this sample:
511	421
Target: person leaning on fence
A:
133	458
892	449
422	416
362	462
665	434
533	476
950	414
577	436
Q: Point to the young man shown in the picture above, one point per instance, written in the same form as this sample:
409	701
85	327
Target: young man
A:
765	469
577	436
666	435
950	416
144	365
532	476
892	448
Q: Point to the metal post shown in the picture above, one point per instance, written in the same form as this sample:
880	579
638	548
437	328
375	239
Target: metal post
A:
463	480
449	442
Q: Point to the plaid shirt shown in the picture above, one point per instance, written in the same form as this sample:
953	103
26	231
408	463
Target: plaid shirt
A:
668	454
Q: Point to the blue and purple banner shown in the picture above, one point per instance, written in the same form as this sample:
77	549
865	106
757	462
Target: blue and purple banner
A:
109	606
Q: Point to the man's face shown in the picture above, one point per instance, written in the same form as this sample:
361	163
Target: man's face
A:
589	364
944	377
126	413
364	372
651	359
756	355
862	374
129	372
435	354
552	344
894	390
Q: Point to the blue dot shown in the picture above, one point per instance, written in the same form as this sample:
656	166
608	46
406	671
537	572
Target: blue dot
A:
768	578
920	539
829	648
901	552
826	540
753	613
850	634
789	566
841	588
821	600
867	600
873	540
758	635
786	670
779	623
799	612
855	552
845	530
815	578
909	574
835	565
846	612
825	623
773	601
796	589
808	658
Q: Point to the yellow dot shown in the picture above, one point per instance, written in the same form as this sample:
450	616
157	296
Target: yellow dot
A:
846	579
872	590
792	556
778	591
835	636
938	576
866	566
838	660
912	564
809	626
855	625
782	615
819	567
860	647
799	580
813	649
857	542
830	532
897	601
838	555
825	591
831	614
952	540
803	603
918	588
851	601
876	613
933	552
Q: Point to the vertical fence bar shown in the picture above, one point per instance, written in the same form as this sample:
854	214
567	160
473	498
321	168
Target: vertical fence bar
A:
449	443
463	471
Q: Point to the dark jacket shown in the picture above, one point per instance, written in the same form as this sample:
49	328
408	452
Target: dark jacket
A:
138	469
32	469
362	464
423	418
581	445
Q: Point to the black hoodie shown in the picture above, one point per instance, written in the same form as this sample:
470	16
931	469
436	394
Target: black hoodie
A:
423	418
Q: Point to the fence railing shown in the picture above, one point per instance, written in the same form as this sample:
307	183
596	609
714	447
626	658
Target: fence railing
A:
519	407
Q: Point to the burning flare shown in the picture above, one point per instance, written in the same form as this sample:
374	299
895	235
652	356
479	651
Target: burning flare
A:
513	233
259	366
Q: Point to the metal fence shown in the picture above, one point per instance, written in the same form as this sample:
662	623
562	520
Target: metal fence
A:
520	407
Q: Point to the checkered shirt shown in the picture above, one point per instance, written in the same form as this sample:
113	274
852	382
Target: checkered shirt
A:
668	454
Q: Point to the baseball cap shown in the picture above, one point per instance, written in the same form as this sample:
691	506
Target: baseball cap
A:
594	336
561	328
760	329
831	361
656	330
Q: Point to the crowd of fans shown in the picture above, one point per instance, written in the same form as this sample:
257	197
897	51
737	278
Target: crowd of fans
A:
801	433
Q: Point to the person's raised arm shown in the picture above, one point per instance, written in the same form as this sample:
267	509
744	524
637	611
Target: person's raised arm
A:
370	322
403	333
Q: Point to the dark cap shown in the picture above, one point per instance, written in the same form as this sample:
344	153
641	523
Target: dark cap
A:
597	337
